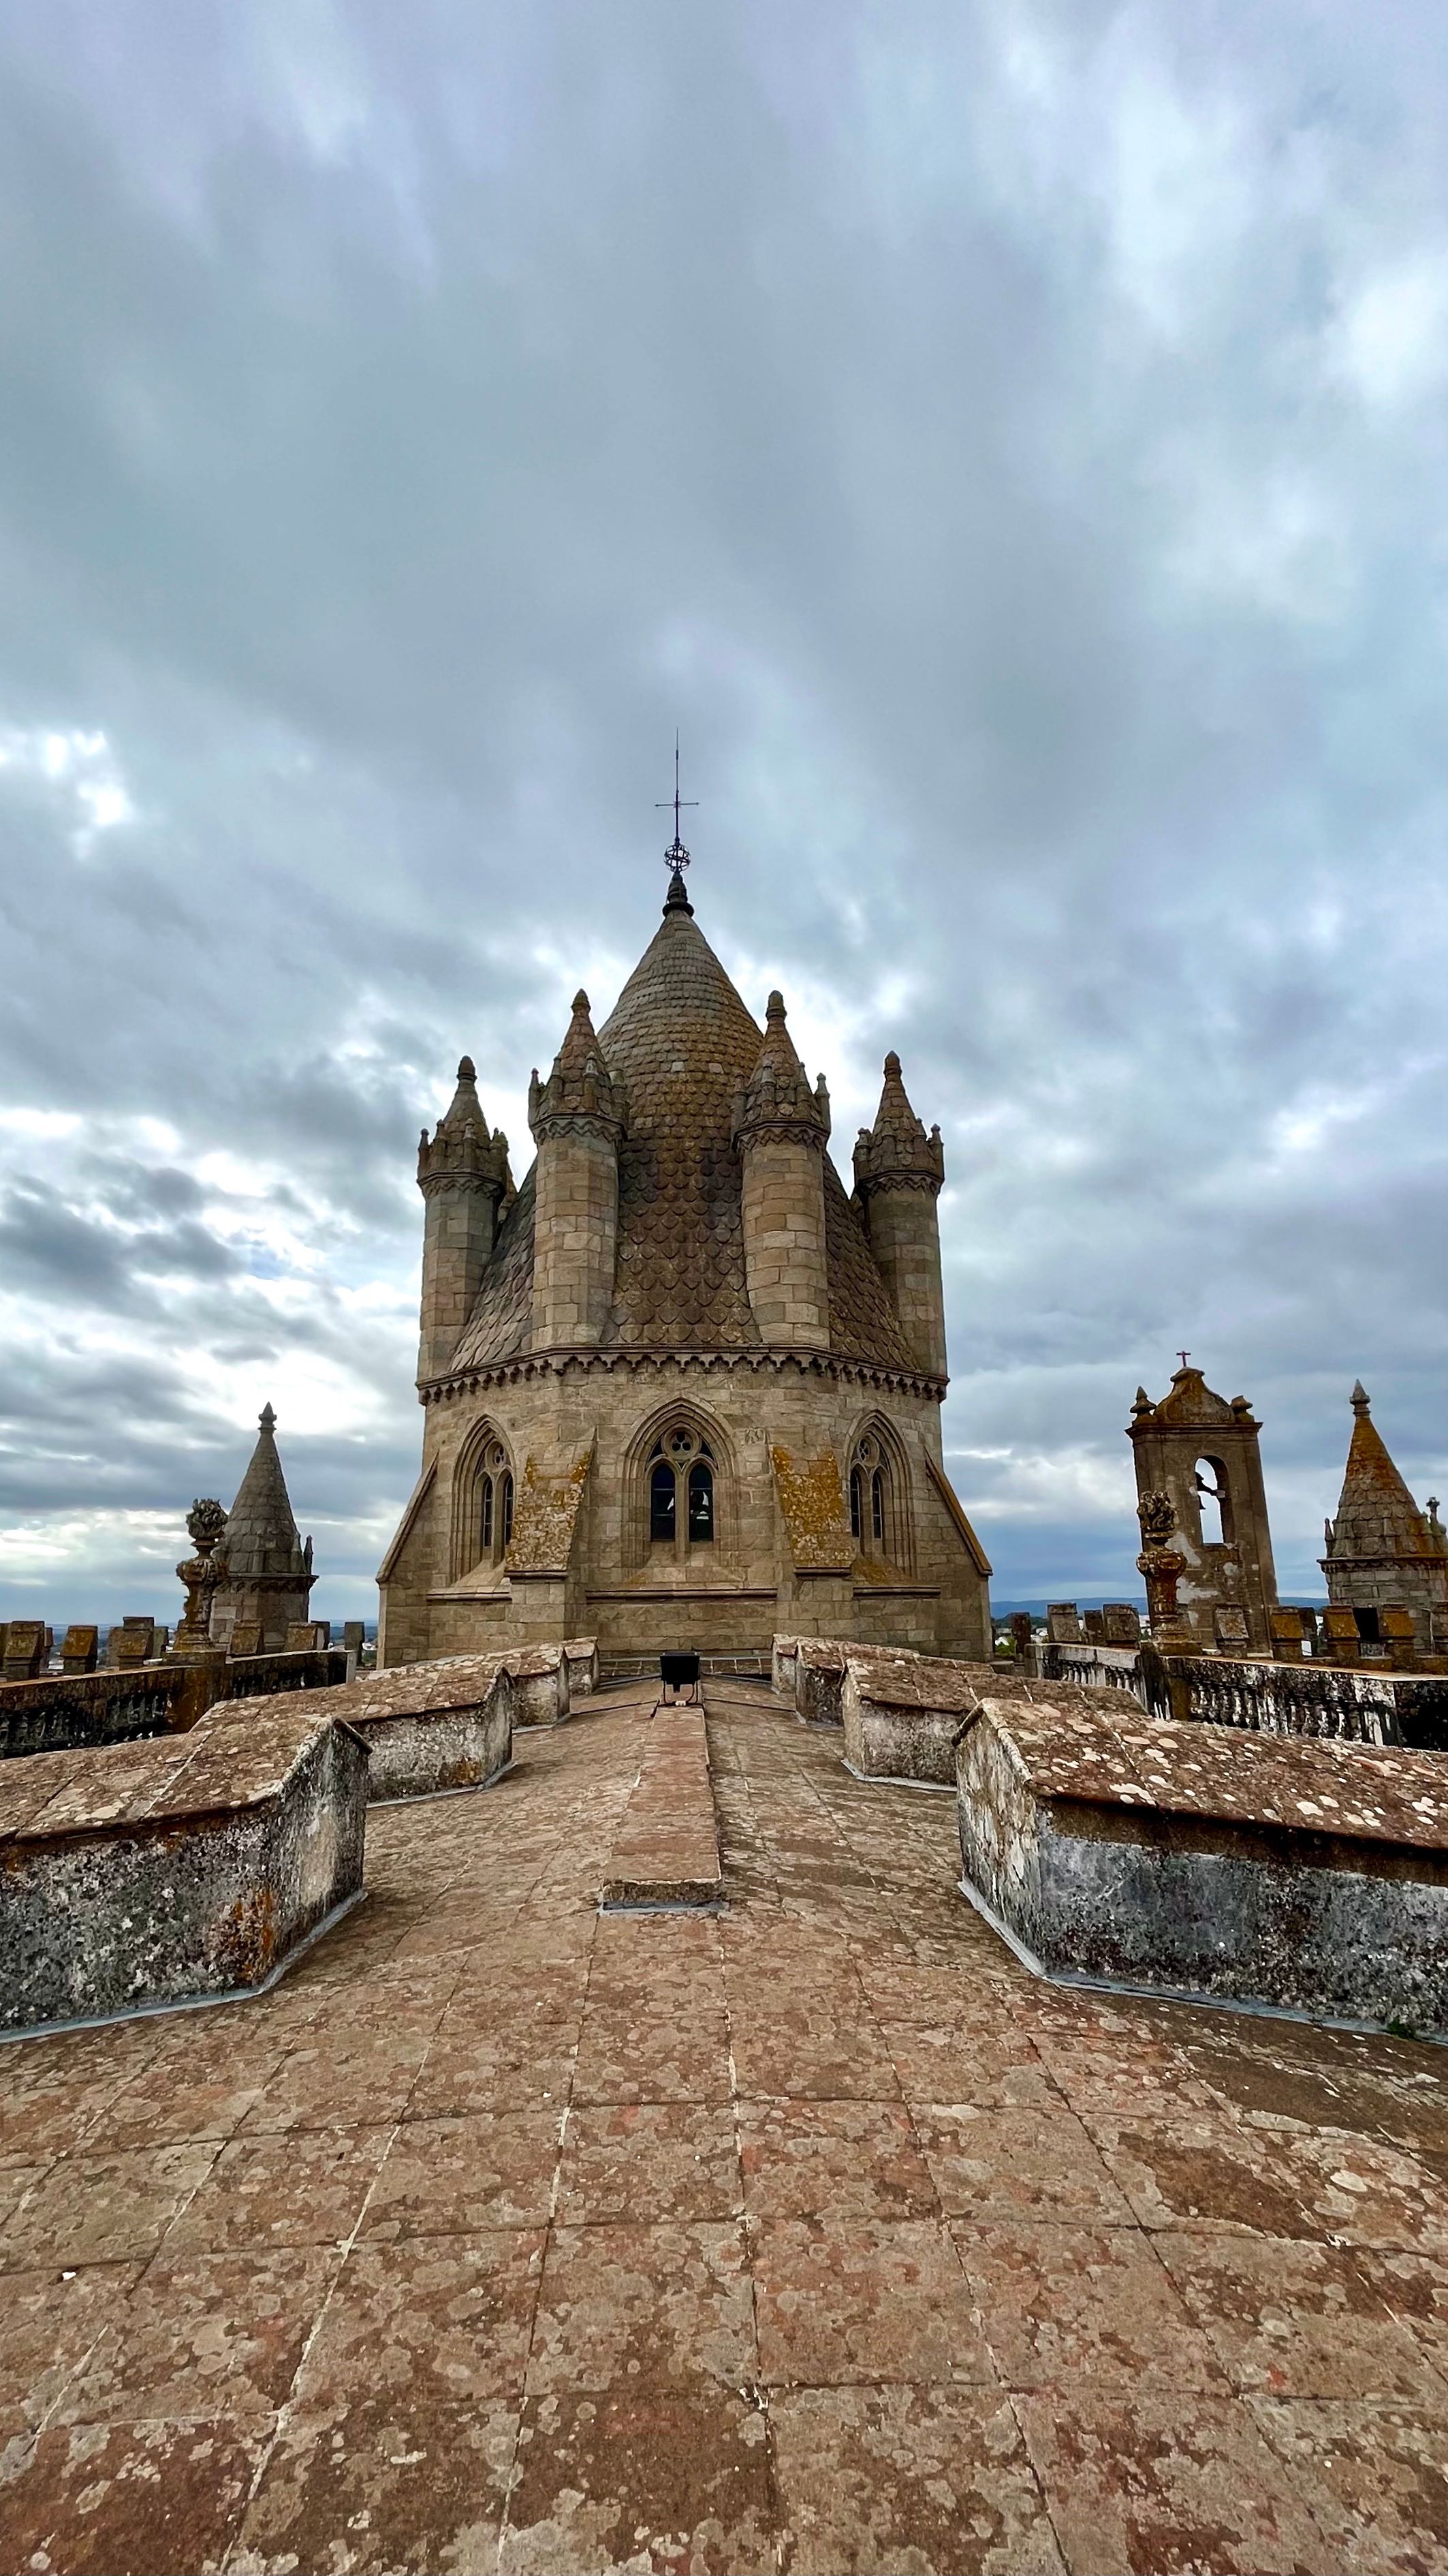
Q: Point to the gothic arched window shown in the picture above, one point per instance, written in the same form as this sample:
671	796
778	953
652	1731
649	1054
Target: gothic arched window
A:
681	1490
492	1504
875	1501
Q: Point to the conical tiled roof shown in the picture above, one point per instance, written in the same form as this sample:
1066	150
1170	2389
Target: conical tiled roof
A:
682	1045
1376	1514
261	1535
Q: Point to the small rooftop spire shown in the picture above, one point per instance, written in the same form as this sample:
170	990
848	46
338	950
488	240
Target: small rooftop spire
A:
1360	1402
580	1085
778	1092
896	1149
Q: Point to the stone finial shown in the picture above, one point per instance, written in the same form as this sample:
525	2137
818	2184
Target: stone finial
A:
202	1576
462	1151
580	1092
267	1419
1360	1401
896	1153
777	1099
1143	1403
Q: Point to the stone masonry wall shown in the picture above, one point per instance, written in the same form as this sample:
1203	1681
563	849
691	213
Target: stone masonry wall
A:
784	1243
575	1237
730	1597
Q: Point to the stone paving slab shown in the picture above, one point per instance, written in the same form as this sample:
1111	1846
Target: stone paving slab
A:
872	2253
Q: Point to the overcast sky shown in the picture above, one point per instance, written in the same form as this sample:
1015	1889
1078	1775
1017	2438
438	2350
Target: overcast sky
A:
1007	439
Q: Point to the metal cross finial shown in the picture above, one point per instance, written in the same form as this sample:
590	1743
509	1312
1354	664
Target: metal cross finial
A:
677	857
1184	1356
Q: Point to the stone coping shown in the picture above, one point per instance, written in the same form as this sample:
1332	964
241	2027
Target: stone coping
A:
242	1755
666	1852
918	1681
1112	1756
406	1690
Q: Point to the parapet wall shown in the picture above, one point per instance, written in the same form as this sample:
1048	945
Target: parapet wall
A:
1331	1701
125	1704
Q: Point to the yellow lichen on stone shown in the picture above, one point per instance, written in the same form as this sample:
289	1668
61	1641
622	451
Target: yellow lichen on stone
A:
812	1499
546	1516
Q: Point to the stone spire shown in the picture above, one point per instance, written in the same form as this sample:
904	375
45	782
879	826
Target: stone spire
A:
267	1572
580	1091
261	1534
896	1149
1376	1514
777	1098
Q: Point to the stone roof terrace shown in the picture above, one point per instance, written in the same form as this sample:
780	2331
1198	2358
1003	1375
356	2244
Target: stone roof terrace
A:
815	2235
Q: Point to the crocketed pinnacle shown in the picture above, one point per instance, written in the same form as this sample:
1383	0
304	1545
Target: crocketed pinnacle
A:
896	1149
777	1095
261	1534
461	1148
1376	1514
580	1088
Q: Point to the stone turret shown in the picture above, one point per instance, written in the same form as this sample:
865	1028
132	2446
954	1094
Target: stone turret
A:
780	1129
462	1173
266	1570
1382	1552
578	1117
898	1175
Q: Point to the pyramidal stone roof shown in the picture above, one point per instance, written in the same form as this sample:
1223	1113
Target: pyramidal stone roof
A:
261	1535
1376	1514
683	1046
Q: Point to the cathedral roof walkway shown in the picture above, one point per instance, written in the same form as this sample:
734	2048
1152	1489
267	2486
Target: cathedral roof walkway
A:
801	2231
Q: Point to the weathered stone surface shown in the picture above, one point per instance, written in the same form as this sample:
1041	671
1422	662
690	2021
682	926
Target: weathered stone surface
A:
79	1711
581	1654
901	1714
666	1852
1350	1703
819	1675
152	1873
1304	1875
429	1727
540	1685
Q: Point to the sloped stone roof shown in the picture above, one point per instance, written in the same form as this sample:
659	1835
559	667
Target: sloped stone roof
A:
683	1045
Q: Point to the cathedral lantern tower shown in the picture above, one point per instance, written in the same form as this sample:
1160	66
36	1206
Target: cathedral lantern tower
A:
577	1117
694	1398
781	1128
462	1173
898	1175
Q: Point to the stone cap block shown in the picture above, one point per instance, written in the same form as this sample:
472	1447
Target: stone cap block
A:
400	1690
919	1681
1117	1757
240	1755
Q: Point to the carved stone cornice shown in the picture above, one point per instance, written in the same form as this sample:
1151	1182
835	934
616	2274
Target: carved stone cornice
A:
833	1369
575	1122
779	1131
870	1183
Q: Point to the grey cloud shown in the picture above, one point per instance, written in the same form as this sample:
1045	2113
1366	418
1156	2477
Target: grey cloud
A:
949	417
